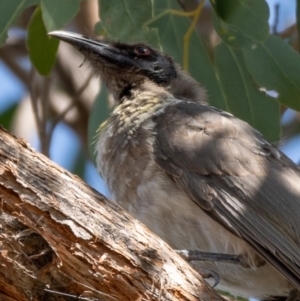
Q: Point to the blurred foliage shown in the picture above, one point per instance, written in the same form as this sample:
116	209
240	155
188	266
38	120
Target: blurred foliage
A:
123	20
239	17
252	104
42	51
171	29
7	116
58	13
10	10
243	61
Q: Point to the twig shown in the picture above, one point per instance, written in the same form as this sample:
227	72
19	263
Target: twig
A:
73	103
169	11
187	36
34	100
11	61
276	20
45	134
40	107
76	99
186	39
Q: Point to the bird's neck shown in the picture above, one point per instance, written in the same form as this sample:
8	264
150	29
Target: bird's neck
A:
144	102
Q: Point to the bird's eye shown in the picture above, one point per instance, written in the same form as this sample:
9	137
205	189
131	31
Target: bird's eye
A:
141	51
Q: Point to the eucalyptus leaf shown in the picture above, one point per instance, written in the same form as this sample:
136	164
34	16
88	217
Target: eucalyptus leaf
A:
10	10
171	29
123	20
276	66
231	34
298	21
57	13
79	164
6	117
42	48
243	97
249	17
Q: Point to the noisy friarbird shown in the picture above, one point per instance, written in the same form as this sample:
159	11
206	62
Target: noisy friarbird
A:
197	176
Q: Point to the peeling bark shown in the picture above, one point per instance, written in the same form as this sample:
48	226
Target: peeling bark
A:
59	236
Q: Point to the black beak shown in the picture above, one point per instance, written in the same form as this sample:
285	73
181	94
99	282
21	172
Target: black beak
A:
94	49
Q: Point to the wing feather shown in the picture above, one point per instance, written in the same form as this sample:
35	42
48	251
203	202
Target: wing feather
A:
229	170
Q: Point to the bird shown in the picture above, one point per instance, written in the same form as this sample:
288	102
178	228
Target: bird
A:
197	176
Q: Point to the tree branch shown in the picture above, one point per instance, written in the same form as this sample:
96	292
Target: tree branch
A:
60	240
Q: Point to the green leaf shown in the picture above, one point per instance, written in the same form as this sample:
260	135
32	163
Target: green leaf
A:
242	95
230	34
100	30
7	116
223	293
79	164
10	10
272	63
171	29
42	49
57	13
298	21
249	17
276	66
123	20
99	113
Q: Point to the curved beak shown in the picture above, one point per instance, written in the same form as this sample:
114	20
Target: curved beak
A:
93	49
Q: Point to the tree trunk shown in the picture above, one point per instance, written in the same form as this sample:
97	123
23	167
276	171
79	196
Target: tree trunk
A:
61	240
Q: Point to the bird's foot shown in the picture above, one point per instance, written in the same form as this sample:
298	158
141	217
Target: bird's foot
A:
190	255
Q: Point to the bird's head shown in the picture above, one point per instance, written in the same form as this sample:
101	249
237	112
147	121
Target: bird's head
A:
124	67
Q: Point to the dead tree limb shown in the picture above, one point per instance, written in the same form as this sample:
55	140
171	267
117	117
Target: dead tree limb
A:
61	240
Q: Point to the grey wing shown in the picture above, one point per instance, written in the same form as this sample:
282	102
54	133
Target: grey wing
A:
229	170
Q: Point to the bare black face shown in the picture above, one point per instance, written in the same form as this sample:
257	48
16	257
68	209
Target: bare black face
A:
147	61
122	66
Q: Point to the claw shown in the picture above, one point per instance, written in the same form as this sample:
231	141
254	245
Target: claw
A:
190	255
216	277
207	273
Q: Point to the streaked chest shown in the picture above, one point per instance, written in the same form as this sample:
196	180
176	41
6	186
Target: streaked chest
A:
125	145
124	159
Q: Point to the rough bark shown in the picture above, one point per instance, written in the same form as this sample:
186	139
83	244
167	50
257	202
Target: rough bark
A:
59	236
